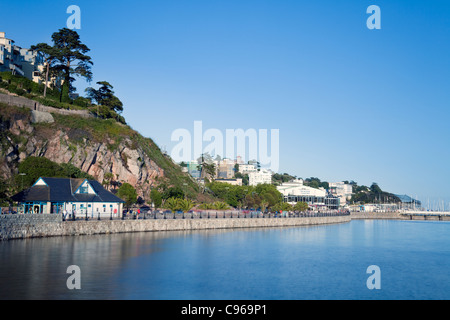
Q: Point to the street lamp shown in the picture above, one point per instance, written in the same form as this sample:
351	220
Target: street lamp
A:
22	174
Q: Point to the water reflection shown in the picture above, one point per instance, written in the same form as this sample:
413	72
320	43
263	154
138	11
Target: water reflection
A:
316	262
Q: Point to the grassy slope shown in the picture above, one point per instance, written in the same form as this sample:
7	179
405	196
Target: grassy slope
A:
100	130
109	130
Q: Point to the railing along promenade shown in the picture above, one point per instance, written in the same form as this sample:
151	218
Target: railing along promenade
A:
199	215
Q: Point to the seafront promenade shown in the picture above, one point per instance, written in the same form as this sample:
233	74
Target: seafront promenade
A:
20	226
52	225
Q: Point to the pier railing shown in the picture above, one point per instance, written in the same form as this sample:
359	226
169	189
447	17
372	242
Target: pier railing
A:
155	215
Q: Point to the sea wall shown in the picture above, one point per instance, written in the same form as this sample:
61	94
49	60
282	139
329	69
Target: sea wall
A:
20	226
34	226
376	215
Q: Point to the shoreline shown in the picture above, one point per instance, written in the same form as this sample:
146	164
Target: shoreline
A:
42	226
377	215
16	227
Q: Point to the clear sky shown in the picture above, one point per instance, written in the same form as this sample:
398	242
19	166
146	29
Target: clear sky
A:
350	103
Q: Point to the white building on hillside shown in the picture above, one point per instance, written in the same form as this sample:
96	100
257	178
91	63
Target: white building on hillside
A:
342	190
234	182
21	61
295	191
247	168
263	176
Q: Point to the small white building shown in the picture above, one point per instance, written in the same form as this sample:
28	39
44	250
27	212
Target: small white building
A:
59	195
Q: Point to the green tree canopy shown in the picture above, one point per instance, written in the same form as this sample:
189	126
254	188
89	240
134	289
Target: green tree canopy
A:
71	59
269	193
49	54
282	206
301	206
128	194
32	168
316	183
173	192
105	96
156	197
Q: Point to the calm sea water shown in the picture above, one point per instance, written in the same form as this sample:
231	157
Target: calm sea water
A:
318	262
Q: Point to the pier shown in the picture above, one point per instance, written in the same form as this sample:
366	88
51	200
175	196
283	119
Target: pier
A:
427	215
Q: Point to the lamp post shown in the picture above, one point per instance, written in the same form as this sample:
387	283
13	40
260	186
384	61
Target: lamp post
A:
22	174
153	210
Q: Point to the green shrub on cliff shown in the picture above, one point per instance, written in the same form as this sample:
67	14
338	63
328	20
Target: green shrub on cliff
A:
128	194
32	168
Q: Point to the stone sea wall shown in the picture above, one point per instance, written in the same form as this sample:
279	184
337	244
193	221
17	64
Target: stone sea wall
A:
35	226
376	215
20	226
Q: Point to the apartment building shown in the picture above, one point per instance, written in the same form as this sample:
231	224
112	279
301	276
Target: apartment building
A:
263	176
342	190
20	61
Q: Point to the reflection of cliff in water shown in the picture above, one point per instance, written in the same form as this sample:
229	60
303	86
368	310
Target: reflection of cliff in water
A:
37	267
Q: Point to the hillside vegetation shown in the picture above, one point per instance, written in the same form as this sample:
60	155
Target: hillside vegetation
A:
104	149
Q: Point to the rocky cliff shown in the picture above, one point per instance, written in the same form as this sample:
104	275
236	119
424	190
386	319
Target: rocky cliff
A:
95	146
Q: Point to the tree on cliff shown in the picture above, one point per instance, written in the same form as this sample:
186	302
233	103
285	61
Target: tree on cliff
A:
207	167
49	54
128	194
71	59
32	168
105	96
108	179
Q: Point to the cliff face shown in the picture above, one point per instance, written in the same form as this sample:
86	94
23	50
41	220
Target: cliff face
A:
95	146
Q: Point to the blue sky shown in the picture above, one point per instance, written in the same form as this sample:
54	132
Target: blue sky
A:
350	103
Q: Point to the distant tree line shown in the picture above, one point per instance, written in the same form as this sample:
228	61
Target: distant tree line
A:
373	194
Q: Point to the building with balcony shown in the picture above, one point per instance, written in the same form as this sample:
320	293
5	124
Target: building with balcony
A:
247	168
263	176
20	61
342	190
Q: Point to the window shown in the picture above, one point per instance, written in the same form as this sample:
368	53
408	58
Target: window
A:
84	189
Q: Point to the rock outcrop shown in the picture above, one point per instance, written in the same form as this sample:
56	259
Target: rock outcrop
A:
41	117
125	154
